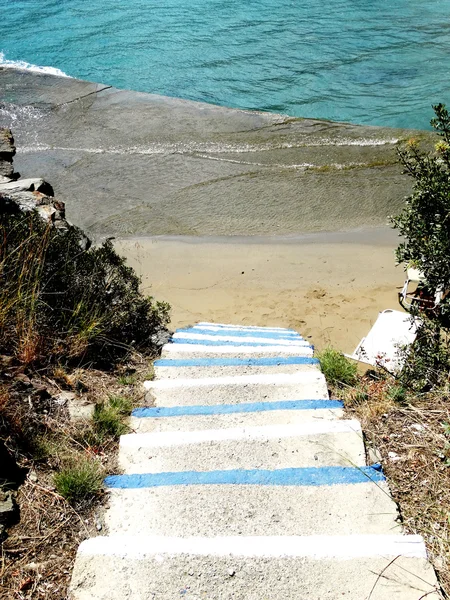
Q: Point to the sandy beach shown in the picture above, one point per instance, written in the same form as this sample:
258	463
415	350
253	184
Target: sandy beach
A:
222	211
329	287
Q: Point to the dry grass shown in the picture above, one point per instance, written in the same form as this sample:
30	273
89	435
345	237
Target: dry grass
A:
413	440
36	559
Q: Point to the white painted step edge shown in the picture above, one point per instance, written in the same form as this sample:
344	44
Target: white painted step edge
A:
274	350
301	377
315	547
179	438
238	338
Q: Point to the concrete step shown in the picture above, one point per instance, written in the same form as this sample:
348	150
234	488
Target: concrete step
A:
230	367
234	390
235	509
312	444
237	351
189	418
242	333
220	338
253	568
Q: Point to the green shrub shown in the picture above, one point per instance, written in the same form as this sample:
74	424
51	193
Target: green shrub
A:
79	480
61	300
337	368
424	228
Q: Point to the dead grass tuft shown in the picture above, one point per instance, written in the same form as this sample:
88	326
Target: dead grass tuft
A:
412	436
36	559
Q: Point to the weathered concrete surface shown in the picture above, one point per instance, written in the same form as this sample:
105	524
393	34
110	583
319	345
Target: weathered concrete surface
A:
310	445
253	510
192	351
132	163
257	419
235	390
133	571
279	510
175	373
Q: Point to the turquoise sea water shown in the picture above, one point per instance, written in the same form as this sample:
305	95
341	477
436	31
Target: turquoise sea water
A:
382	62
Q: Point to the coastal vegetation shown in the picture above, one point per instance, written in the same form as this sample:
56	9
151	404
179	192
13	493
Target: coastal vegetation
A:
406	415
424	224
77	337
61	301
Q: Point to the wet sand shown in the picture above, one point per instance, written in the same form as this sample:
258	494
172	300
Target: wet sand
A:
133	164
327	286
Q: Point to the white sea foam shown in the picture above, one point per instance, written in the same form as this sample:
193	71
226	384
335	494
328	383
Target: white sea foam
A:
213	151
14	112
24	66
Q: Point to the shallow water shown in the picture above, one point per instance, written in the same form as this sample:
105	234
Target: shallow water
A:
380	63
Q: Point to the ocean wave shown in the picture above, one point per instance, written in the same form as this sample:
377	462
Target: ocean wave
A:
24	66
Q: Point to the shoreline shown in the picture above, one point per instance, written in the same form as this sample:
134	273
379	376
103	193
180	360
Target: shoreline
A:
330	291
374	236
135	164
232	216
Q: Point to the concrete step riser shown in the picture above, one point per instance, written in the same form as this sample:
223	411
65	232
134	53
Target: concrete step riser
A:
194	351
240	389
249	340
319	450
269	447
203	372
253	510
120	569
201	422
218	394
241	333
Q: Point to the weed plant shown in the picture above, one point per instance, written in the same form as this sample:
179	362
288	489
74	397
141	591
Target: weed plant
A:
338	369
109	417
79	480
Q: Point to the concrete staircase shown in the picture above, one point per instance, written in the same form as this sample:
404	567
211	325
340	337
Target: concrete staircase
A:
244	482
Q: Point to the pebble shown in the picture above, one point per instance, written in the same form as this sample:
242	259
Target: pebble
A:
231	572
417	427
393	456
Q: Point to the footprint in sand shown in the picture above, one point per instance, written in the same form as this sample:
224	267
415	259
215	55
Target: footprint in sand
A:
316	293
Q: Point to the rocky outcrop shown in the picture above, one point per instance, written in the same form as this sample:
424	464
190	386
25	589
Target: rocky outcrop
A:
28	194
7	151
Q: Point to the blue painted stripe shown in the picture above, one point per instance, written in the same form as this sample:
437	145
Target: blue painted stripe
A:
269	334
228	343
309	476
266	361
227	409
